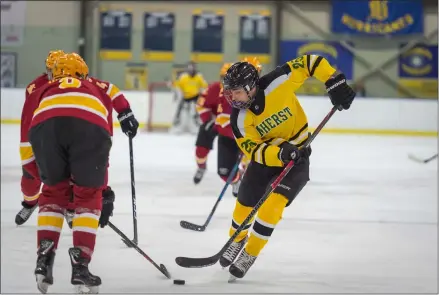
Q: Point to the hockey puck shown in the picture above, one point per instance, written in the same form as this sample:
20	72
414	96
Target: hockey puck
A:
179	282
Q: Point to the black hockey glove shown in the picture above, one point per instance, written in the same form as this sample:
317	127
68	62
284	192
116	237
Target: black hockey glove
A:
128	122
290	152
340	93
107	206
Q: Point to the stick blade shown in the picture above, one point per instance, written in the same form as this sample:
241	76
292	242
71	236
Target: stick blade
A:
192	226
416	159
165	271
188	262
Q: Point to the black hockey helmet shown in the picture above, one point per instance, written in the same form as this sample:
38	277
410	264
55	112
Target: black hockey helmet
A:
241	75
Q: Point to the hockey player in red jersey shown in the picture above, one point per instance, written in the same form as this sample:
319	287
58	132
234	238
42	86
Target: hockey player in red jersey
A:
216	109
207	105
70	137
30	186
128	122
228	150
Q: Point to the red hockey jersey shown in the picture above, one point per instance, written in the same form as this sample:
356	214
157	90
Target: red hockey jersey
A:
25	148
67	97
119	101
222	122
207	103
35	84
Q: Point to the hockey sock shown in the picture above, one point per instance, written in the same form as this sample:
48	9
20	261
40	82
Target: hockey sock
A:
50	222
239	215
85	226
268	216
244	162
235	179
30	187
201	156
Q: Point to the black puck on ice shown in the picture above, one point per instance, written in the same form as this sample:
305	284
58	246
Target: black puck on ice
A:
179	282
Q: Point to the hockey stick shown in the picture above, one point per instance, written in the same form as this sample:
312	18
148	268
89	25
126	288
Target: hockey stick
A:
161	267
207	261
419	160
193	226
133	195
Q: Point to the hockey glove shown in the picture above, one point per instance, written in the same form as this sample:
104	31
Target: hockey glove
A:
290	152
128	122
340	93
107	206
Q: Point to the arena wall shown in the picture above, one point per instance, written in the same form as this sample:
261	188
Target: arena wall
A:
367	115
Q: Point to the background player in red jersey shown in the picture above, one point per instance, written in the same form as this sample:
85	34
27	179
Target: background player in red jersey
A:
70	136
207	105
214	111
30	186
228	150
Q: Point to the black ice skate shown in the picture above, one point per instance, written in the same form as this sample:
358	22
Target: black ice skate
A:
232	252
25	212
241	266
68	215
199	175
43	271
82	279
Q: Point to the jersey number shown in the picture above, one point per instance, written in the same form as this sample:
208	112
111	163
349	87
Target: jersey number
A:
248	145
100	84
297	63
69	83
31	88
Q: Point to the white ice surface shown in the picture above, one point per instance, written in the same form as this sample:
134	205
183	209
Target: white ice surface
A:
366	222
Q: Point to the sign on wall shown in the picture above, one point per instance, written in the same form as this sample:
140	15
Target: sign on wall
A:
377	18
158	36
418	70
13	15
338	56
207	36
8	69
116	34
255	35
136	76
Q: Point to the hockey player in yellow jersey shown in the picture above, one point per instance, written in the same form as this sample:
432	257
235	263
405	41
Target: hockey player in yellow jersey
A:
270	126
189	86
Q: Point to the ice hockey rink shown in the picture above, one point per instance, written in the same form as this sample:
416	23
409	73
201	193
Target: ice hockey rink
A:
365	223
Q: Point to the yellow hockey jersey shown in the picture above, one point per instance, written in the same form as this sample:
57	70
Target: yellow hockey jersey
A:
276	115
190	86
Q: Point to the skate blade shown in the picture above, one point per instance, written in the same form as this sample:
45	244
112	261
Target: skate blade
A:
41	285
232	279
83	289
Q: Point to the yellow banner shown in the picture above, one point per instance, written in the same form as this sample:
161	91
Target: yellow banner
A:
136	76
424	88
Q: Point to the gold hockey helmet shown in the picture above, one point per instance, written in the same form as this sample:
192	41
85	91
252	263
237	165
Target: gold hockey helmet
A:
68	65
51	58
224	69
253	61
85	69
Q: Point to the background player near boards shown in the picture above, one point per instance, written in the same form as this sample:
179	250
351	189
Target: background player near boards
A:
189	85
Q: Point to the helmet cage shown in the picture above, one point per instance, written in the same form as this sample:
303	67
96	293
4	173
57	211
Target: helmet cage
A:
240	76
